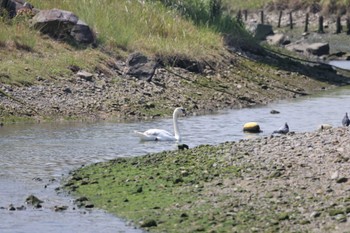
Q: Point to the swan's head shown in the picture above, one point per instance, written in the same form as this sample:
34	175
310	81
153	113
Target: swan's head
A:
179	111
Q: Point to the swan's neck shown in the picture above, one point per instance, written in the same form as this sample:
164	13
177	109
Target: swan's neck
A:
176	128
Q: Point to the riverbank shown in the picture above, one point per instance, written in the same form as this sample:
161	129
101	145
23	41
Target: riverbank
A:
235	82
294	182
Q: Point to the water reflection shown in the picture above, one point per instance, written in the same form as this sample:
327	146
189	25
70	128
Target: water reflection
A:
35	156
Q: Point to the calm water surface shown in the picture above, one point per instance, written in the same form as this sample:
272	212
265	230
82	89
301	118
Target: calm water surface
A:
341	64
34	158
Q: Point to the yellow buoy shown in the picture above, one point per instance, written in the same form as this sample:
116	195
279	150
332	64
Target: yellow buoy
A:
251	127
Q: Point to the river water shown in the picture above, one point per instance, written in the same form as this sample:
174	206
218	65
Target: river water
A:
35	157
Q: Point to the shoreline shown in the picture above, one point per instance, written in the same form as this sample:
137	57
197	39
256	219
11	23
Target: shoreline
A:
244	83
293	182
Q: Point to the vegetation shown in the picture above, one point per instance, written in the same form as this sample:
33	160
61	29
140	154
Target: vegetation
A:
168	186
154	27
196	30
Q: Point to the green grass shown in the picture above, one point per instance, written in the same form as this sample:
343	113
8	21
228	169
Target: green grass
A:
121	27
164	187
25	55
150	27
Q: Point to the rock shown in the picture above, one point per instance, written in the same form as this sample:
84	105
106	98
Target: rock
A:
315	214
12	6
139	66
89	205
34	201
262	31
297	47
277	39
60	208
22	207
335	175
274	112
56	23
148	223
342	180
11	207
318	49
85	75
324	127
82	33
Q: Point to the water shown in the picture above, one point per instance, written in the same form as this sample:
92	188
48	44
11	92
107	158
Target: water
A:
34	158
341	64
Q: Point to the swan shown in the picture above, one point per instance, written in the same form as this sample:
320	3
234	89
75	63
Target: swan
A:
346	120
161	134
283	130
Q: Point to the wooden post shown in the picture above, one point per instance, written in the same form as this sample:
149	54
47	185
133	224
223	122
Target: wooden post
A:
306	29
245	15
279	19
239	17
290	20
348	25
262	17
338	26
320	24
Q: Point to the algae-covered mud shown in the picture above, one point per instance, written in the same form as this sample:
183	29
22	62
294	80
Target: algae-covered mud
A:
290	183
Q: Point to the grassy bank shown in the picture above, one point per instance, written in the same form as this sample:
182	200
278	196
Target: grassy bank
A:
292	183
166	189
122	27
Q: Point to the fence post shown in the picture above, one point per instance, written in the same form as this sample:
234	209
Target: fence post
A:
306	29
290	20
239	17
245	15
320	24
339	27
348	25
262	17
279	19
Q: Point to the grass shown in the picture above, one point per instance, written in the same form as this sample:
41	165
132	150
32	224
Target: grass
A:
151	27
121	28
166	187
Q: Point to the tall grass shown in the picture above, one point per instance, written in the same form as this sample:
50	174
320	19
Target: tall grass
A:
164	27
26	55
17	34
149	27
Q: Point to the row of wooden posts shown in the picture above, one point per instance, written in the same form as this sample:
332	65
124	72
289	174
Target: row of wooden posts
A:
339	27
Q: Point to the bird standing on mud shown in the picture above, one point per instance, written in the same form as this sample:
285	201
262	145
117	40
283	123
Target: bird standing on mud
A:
346	120
283	130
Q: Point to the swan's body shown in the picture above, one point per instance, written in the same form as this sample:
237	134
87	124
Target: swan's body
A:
161	134
283	130
346	120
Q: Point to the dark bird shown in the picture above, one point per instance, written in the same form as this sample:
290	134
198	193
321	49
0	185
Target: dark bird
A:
346	120
283	130
182	146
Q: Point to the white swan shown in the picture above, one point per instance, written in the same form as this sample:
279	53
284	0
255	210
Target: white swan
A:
161	134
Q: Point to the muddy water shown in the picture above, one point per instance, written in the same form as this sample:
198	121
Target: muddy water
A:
34	158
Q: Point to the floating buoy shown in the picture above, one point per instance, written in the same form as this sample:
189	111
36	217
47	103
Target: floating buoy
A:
251	127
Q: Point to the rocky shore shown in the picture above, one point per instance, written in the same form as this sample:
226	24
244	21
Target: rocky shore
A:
109	93
297	182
